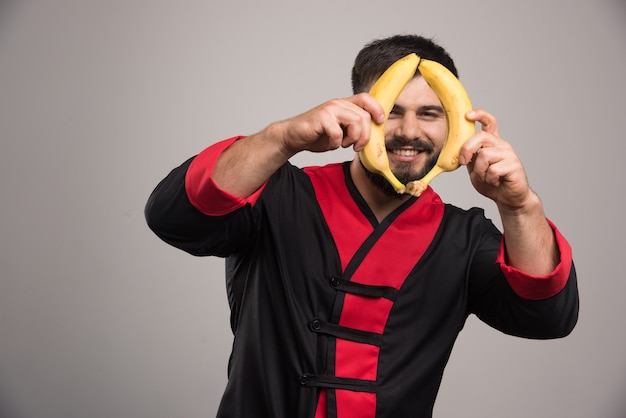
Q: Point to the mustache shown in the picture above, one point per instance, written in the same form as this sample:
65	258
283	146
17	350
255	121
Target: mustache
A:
418	144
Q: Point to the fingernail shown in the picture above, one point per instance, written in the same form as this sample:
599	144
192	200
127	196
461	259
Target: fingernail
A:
462	160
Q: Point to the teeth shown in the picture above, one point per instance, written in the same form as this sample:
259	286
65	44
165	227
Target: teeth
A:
405	152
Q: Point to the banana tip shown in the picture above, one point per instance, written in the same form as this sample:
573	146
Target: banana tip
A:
415	188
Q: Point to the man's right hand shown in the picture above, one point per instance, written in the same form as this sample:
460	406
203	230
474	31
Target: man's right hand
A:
336	123
249	162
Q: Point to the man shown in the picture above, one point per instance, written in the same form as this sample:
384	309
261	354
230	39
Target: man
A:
345	297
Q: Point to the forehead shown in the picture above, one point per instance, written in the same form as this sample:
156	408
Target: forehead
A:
417	93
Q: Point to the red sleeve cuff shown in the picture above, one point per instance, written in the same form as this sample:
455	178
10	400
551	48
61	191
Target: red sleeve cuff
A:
202	191
539	287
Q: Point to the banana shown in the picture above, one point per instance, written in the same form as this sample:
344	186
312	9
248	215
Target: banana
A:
454	100
456	104
386	90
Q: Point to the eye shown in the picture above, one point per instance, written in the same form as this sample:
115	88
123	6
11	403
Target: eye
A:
431	115
394	114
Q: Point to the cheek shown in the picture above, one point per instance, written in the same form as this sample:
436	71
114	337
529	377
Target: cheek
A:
437	132
391	126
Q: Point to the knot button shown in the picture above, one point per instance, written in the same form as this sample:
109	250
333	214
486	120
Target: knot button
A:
315	325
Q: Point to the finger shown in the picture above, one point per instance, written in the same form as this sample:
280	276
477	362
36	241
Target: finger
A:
353	133
475	145
356	124
494	173
331	128
492	165
486	119
362	140
366	102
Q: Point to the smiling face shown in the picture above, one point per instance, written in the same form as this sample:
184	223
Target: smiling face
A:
414	134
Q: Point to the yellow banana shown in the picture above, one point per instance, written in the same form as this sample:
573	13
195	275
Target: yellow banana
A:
386	90
454	100
456	104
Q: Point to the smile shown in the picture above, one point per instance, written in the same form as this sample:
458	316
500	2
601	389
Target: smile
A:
405	152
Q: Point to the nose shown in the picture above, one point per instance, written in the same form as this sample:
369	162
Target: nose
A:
408	127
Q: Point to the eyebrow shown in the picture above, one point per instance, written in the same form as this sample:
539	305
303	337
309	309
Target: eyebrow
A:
421	109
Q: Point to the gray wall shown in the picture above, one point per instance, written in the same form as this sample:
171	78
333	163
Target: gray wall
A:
100	99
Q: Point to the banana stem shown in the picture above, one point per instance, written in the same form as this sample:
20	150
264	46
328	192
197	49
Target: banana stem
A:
417	187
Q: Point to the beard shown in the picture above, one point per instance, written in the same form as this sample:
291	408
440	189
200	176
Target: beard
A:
403	172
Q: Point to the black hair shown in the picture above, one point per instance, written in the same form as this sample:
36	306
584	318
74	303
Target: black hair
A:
378	55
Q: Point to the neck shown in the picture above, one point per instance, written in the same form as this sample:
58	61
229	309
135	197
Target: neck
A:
379	202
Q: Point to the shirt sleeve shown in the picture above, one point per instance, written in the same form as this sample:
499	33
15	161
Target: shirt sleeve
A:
539	287
203	193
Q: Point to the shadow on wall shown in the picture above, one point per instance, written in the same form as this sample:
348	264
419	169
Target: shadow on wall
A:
7	7
620	6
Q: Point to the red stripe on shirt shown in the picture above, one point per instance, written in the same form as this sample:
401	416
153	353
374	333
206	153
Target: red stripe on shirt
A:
203	193
539	287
